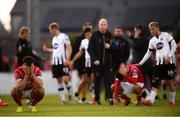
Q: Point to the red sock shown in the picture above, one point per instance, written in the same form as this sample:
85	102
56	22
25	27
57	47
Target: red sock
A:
138	98
116	89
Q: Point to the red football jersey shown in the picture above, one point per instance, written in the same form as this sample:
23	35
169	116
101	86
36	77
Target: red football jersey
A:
134	74
19	75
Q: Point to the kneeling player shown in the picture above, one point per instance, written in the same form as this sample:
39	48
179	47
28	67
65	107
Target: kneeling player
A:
29	84
134	83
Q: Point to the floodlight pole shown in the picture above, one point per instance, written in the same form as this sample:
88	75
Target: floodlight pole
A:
33	22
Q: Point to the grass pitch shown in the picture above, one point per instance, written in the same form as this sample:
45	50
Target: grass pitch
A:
50	106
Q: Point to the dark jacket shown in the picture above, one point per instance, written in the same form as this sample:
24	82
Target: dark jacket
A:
120	51
139	48
96	47
26	51
81	61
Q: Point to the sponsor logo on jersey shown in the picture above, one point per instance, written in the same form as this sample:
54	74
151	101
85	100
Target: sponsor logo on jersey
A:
159	45
55	45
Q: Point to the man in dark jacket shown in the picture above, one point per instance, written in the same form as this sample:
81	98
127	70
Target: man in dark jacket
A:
139	49
120	48
24	48
99	49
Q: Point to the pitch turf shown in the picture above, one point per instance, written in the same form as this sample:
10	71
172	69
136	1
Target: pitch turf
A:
50	106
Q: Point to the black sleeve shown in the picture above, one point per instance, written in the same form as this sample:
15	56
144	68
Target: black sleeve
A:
127	51
17	48
92	49
76	45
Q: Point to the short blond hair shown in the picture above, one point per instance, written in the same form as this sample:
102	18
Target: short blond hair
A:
24	29
54	25
153	24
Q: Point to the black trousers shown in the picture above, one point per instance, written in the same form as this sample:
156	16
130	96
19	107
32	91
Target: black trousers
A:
103	73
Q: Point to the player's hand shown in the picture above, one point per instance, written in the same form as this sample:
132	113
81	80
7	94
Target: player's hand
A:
137	65
32	72
66	63
123	70
97	62
44	47
20	49
168	60
26	72
71	64
107	45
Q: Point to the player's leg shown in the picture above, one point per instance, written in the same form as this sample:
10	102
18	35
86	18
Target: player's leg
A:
67	82
61	90
17	96
79	89
58	72
137	89
151	97
116	90
36	95
172	93
127	88
164	87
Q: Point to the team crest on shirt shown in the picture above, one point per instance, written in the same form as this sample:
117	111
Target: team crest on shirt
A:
159	45
55	45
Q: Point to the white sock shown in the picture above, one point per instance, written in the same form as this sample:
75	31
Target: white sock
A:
61	91
152	96
69	88
172	96
0	100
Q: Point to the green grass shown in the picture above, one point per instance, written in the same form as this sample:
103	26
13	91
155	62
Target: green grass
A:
50	106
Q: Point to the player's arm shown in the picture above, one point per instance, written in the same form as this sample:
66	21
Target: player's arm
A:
37	77
124	71
148	54
131	79
46	49
77	56
173	46
38	81
69	51
21	83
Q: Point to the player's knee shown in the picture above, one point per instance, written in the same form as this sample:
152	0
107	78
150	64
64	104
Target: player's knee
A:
66	79
38	92
16	93
172	88
137	89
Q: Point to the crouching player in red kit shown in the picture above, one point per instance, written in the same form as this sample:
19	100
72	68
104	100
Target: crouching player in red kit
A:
29	84
129	79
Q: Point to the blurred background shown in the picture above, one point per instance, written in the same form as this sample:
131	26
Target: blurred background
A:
72	14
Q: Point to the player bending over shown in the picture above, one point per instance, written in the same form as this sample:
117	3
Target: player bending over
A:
165	47
29	84
130	80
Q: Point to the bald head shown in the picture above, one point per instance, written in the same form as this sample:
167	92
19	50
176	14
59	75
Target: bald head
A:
103	25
